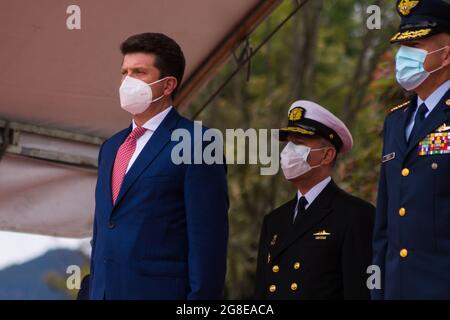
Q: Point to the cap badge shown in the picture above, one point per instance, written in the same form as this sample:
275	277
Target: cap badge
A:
296	114
405	6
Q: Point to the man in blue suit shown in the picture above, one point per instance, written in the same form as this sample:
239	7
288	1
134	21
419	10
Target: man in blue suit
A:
160	229
412	229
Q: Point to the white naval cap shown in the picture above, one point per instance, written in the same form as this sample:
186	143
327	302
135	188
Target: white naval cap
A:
309	118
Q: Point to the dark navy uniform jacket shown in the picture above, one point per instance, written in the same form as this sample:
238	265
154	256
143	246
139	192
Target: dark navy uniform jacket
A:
324	255
412	229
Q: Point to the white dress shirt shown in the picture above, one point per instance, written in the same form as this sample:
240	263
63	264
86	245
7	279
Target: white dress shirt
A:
151	125
430	102
312	194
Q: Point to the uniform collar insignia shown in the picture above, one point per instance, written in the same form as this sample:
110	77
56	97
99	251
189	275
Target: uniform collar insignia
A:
402	105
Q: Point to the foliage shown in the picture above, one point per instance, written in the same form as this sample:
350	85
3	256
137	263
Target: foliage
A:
325	54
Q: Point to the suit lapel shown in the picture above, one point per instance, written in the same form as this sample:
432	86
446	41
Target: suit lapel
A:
435	118
399	131
319	209
160	138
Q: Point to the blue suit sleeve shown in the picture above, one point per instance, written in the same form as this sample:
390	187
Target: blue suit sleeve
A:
206	200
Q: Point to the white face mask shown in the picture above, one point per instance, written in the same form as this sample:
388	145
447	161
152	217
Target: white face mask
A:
136	95
294	160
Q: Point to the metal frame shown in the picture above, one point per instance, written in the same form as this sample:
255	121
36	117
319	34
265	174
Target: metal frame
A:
247	55
10	133
223	51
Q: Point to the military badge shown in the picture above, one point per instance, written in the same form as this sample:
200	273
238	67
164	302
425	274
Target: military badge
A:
296	114
447	102
435	143
443	128
405	6
321	235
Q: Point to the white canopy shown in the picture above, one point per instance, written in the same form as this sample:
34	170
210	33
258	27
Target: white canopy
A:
59	93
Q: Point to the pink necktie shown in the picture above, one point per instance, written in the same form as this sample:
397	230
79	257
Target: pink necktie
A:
123	157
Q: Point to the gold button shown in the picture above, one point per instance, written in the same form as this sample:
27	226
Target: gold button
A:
297	265
434	166
405	172
275	268
273	288
403	253
294	286
402	212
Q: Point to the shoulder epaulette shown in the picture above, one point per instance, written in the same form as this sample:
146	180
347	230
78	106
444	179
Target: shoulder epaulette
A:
399	106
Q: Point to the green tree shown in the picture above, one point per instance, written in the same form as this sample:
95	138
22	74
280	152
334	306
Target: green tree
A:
325	54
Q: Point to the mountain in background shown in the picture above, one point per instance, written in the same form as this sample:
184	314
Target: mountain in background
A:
30	280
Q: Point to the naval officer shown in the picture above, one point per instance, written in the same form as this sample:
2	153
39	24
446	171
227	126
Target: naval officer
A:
317	245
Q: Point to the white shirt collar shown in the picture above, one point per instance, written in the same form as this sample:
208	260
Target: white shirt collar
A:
434	98
312	194
155	121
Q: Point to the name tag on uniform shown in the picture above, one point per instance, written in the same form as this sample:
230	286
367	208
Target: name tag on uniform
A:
388	157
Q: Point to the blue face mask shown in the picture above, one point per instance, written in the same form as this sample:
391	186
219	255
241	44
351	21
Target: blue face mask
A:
410	72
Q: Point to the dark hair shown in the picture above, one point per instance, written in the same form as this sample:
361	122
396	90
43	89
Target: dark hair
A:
169	57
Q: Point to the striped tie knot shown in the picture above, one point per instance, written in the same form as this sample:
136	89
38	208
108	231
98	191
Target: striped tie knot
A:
136	133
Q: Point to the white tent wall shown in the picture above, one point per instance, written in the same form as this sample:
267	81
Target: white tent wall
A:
59	93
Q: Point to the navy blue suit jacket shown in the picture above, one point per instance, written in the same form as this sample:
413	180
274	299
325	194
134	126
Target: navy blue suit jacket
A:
166	236
412	228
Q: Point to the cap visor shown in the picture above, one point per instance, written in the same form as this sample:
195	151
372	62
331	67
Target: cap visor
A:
411	35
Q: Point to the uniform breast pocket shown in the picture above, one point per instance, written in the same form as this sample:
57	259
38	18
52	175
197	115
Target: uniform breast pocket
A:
322	239
321	246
